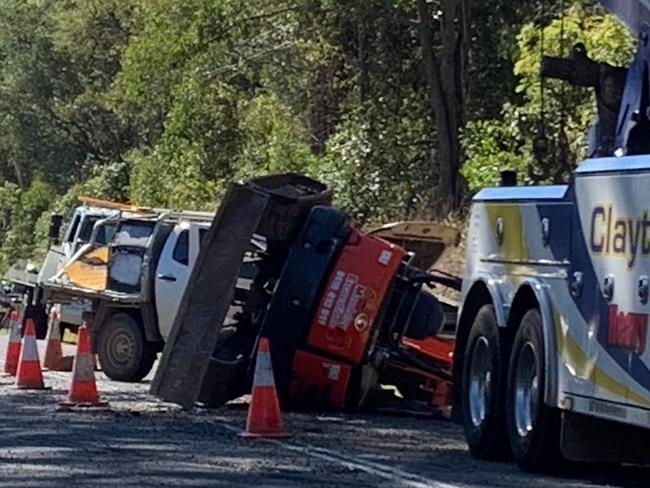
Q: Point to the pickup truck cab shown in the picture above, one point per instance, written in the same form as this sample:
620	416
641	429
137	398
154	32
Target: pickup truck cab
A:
174	267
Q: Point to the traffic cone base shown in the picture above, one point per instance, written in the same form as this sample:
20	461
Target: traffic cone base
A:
271	435
264	416
34	386
54	349
66	363
12	355
28	375
83	389
268	424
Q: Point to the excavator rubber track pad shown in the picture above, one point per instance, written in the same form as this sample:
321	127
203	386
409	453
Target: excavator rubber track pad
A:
207	297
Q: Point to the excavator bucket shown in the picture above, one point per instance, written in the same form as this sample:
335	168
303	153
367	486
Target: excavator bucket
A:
272	207
426	240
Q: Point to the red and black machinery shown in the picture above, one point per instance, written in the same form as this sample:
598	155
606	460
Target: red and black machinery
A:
344	310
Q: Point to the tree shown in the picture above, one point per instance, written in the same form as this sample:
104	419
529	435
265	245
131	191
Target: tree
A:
446	72
544	146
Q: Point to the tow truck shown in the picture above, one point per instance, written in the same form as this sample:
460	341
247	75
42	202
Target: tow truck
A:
551	359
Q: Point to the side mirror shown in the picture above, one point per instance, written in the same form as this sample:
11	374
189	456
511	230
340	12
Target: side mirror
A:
56	221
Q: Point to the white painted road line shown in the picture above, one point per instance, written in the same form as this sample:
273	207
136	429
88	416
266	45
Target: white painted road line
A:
389	473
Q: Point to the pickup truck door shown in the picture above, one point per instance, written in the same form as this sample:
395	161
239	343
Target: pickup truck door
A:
174	266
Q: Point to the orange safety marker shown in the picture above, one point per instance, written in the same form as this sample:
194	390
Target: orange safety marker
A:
29	375
12	354
264	416
83	389
54	350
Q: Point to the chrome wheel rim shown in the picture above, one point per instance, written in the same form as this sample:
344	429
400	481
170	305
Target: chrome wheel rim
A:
526	389
480	381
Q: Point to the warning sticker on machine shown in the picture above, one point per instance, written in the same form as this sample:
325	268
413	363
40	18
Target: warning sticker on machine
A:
339	307
384	257
333	371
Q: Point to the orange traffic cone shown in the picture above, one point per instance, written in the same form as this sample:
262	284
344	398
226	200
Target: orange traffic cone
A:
264	416
29	374
53	350
13	346
83	389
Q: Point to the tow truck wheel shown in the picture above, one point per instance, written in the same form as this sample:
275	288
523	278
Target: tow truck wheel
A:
123	352
483	384
533	427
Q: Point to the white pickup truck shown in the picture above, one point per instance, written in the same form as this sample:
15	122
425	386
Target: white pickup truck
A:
135	283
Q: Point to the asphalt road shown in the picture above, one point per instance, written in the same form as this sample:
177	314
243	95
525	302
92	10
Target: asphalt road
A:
144	442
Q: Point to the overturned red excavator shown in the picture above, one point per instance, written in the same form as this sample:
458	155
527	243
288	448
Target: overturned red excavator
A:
344	310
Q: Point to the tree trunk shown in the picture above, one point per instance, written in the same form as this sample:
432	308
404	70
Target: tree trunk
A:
19	173
446	71
362	57
324	96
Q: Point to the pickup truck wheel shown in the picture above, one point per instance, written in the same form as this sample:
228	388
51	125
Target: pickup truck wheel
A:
533	427
483	385
123	352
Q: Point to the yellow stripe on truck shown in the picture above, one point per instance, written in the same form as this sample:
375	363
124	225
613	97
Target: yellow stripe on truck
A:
513	246
577	359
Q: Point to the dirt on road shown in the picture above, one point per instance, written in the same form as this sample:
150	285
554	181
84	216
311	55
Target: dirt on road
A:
144	442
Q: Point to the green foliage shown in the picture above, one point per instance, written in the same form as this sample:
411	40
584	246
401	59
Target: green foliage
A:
377	162
170	176
20	238
273	139
491	147
560	129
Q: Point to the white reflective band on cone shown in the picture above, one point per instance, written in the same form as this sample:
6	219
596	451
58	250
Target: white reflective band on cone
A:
15	331
83	368
30	352
263	370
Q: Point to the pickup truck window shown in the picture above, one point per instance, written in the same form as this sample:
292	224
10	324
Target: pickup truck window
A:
134	233
73	228
182	248
87	228
104	233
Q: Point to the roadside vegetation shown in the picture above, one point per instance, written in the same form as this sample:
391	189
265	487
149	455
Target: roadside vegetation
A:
162	103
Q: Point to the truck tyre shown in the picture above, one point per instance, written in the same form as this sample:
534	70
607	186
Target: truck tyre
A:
124	354
483	387
533	427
